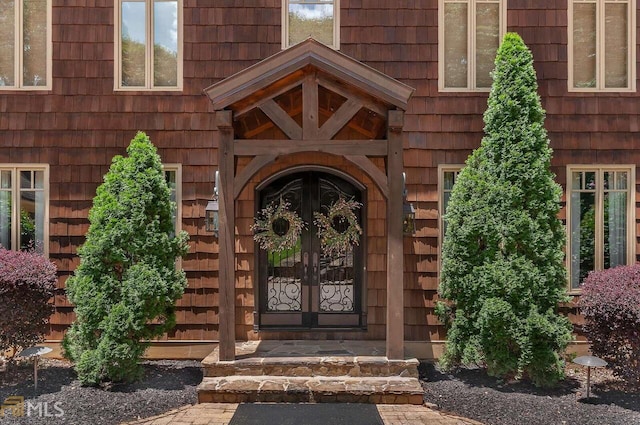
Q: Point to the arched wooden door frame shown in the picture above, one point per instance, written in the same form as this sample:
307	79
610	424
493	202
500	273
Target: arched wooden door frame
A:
310	137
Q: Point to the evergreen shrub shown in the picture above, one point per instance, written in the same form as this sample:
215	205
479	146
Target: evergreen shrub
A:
503	269
126	285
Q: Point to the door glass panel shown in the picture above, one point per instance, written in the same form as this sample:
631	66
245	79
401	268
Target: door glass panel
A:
336	272
285	269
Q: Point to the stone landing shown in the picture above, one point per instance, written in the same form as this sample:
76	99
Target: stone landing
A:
310	371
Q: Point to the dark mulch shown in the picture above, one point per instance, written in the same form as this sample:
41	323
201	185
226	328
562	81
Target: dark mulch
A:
473	394
165	386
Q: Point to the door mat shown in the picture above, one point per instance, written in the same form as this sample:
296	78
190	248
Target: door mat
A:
307	414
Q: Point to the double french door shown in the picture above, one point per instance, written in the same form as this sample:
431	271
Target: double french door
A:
303	287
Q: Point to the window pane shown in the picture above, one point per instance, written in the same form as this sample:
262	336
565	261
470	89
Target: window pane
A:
5	179
582	236
7	43
308	19
621	180
25	180
446	196
576	180
170	176
133	43
615	229
35	42
39	179
487	41
615	45
5	218
584	45
165	47
590	180
455	45
449	179
31	220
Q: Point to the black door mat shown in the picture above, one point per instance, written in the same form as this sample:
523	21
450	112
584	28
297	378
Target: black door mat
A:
307	414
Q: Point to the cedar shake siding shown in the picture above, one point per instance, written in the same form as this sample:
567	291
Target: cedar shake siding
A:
81	123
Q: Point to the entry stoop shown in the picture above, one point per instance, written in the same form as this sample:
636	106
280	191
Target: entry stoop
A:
310	372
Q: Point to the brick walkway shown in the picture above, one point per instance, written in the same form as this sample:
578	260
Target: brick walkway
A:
221	413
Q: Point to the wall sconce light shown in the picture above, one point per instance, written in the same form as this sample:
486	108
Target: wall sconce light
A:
211	212
408	212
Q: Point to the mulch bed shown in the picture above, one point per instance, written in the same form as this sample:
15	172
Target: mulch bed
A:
165	386
473	394
469	393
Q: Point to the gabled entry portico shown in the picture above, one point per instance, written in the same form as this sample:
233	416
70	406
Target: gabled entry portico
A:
310	98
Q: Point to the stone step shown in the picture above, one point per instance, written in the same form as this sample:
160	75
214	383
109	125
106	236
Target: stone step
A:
308	389
354	366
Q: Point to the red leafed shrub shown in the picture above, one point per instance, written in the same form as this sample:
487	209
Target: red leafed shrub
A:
610	303
27	284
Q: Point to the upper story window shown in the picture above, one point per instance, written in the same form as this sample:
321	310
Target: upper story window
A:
24	207
148	53
601	47
25	44
600	219
311	18
469	36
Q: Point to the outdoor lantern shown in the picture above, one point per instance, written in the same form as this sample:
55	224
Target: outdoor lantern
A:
408	219
211	215
408	212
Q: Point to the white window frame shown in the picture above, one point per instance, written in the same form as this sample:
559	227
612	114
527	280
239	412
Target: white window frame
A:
19	49
15	202
177	168
443	168
471	43
600	47
117	54
336	25
600	169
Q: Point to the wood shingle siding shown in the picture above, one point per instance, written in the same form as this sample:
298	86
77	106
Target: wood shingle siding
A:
79	125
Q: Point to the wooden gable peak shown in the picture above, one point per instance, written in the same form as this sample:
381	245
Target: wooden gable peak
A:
309	53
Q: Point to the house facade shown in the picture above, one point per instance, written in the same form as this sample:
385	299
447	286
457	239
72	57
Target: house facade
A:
381	106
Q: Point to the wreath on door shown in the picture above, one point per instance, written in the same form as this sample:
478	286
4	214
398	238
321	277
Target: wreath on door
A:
276	227
338	229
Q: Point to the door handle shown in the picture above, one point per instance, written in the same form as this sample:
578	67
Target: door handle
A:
315	263
305	263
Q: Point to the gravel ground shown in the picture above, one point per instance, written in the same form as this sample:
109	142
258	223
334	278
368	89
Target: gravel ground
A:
165	386
473	394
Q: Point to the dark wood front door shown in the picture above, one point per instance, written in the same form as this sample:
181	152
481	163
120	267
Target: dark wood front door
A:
302	288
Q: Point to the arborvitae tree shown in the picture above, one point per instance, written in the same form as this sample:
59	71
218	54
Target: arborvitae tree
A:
126	285
502	261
